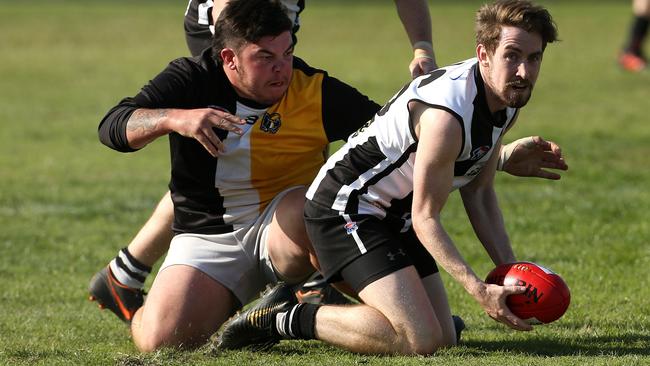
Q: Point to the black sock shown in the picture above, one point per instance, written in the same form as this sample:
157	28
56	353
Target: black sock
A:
299	322
638	32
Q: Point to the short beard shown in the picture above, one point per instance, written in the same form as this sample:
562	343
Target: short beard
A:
515	98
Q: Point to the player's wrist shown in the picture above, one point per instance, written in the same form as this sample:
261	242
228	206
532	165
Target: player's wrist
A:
423	49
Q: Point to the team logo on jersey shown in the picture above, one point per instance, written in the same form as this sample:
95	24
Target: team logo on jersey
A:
350	227
271	122
250	120
479	152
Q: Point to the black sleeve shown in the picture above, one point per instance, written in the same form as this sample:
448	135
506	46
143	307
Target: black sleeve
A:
112	128
170	89
345	109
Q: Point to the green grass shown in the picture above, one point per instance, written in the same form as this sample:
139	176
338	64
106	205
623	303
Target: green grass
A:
67	203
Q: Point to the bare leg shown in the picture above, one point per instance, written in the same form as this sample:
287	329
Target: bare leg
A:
183	309
152	241
397	318
438	298
288	244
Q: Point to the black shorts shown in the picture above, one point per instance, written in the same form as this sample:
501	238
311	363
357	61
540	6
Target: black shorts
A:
360	249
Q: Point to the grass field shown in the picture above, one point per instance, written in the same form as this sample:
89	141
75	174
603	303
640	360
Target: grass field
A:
67	203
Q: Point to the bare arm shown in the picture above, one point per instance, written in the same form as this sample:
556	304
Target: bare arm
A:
440	141
484	213
145	125
416	20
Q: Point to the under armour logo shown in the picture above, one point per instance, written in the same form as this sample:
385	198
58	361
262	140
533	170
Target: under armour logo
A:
392	256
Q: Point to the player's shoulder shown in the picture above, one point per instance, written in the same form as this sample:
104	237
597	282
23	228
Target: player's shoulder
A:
302	66
455	75
450	86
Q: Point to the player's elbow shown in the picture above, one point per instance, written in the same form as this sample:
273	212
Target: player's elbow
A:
422	221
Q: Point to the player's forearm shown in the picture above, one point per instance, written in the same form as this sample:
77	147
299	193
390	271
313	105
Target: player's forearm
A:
436	240
416	20
485	215
145	125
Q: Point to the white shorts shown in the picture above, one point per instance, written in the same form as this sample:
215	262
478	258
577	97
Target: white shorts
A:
239	260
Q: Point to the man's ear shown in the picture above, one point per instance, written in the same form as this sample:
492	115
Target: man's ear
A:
482	55
229	58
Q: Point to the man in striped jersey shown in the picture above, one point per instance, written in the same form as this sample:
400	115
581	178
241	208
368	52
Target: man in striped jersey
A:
373	213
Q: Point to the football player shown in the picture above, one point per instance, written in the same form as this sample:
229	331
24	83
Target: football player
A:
373	213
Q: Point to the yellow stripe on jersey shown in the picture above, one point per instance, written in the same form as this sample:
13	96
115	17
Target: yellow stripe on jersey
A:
292	154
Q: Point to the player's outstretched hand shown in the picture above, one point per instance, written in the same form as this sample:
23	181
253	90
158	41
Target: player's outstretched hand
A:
530	156
199	123
493	301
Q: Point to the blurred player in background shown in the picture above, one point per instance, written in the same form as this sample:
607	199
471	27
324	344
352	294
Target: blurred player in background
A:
633	58
414	14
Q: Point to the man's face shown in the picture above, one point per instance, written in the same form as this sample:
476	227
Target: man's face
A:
264	68
513	68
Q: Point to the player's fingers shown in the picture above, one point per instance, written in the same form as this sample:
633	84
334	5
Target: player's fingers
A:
515	322
554	147
426	65
555	164
512	290
227	124
554	161
207	144
226	121
546	175
214	140
415	70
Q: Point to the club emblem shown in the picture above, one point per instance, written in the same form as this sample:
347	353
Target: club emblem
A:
271	123
350	227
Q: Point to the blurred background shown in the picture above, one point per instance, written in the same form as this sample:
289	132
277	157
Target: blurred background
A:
67	203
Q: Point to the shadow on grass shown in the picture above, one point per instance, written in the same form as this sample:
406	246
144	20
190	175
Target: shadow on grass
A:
622	345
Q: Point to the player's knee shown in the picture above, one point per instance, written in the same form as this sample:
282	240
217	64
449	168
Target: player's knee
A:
149	341
426	344
422	340
155	334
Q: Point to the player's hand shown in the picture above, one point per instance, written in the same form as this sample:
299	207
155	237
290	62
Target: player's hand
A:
199	123
530	156
421	65
493	301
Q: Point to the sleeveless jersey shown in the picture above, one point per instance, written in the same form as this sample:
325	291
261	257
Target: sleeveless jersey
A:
373	172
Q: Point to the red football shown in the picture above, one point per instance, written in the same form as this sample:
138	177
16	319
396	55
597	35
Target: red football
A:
546	298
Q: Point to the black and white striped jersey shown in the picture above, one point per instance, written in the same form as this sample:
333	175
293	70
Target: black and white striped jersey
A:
199	25
373	172
198	15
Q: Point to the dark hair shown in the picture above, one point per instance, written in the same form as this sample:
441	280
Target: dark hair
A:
515	13
247	21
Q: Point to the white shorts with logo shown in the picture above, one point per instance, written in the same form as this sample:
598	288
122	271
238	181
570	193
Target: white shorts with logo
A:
238	260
